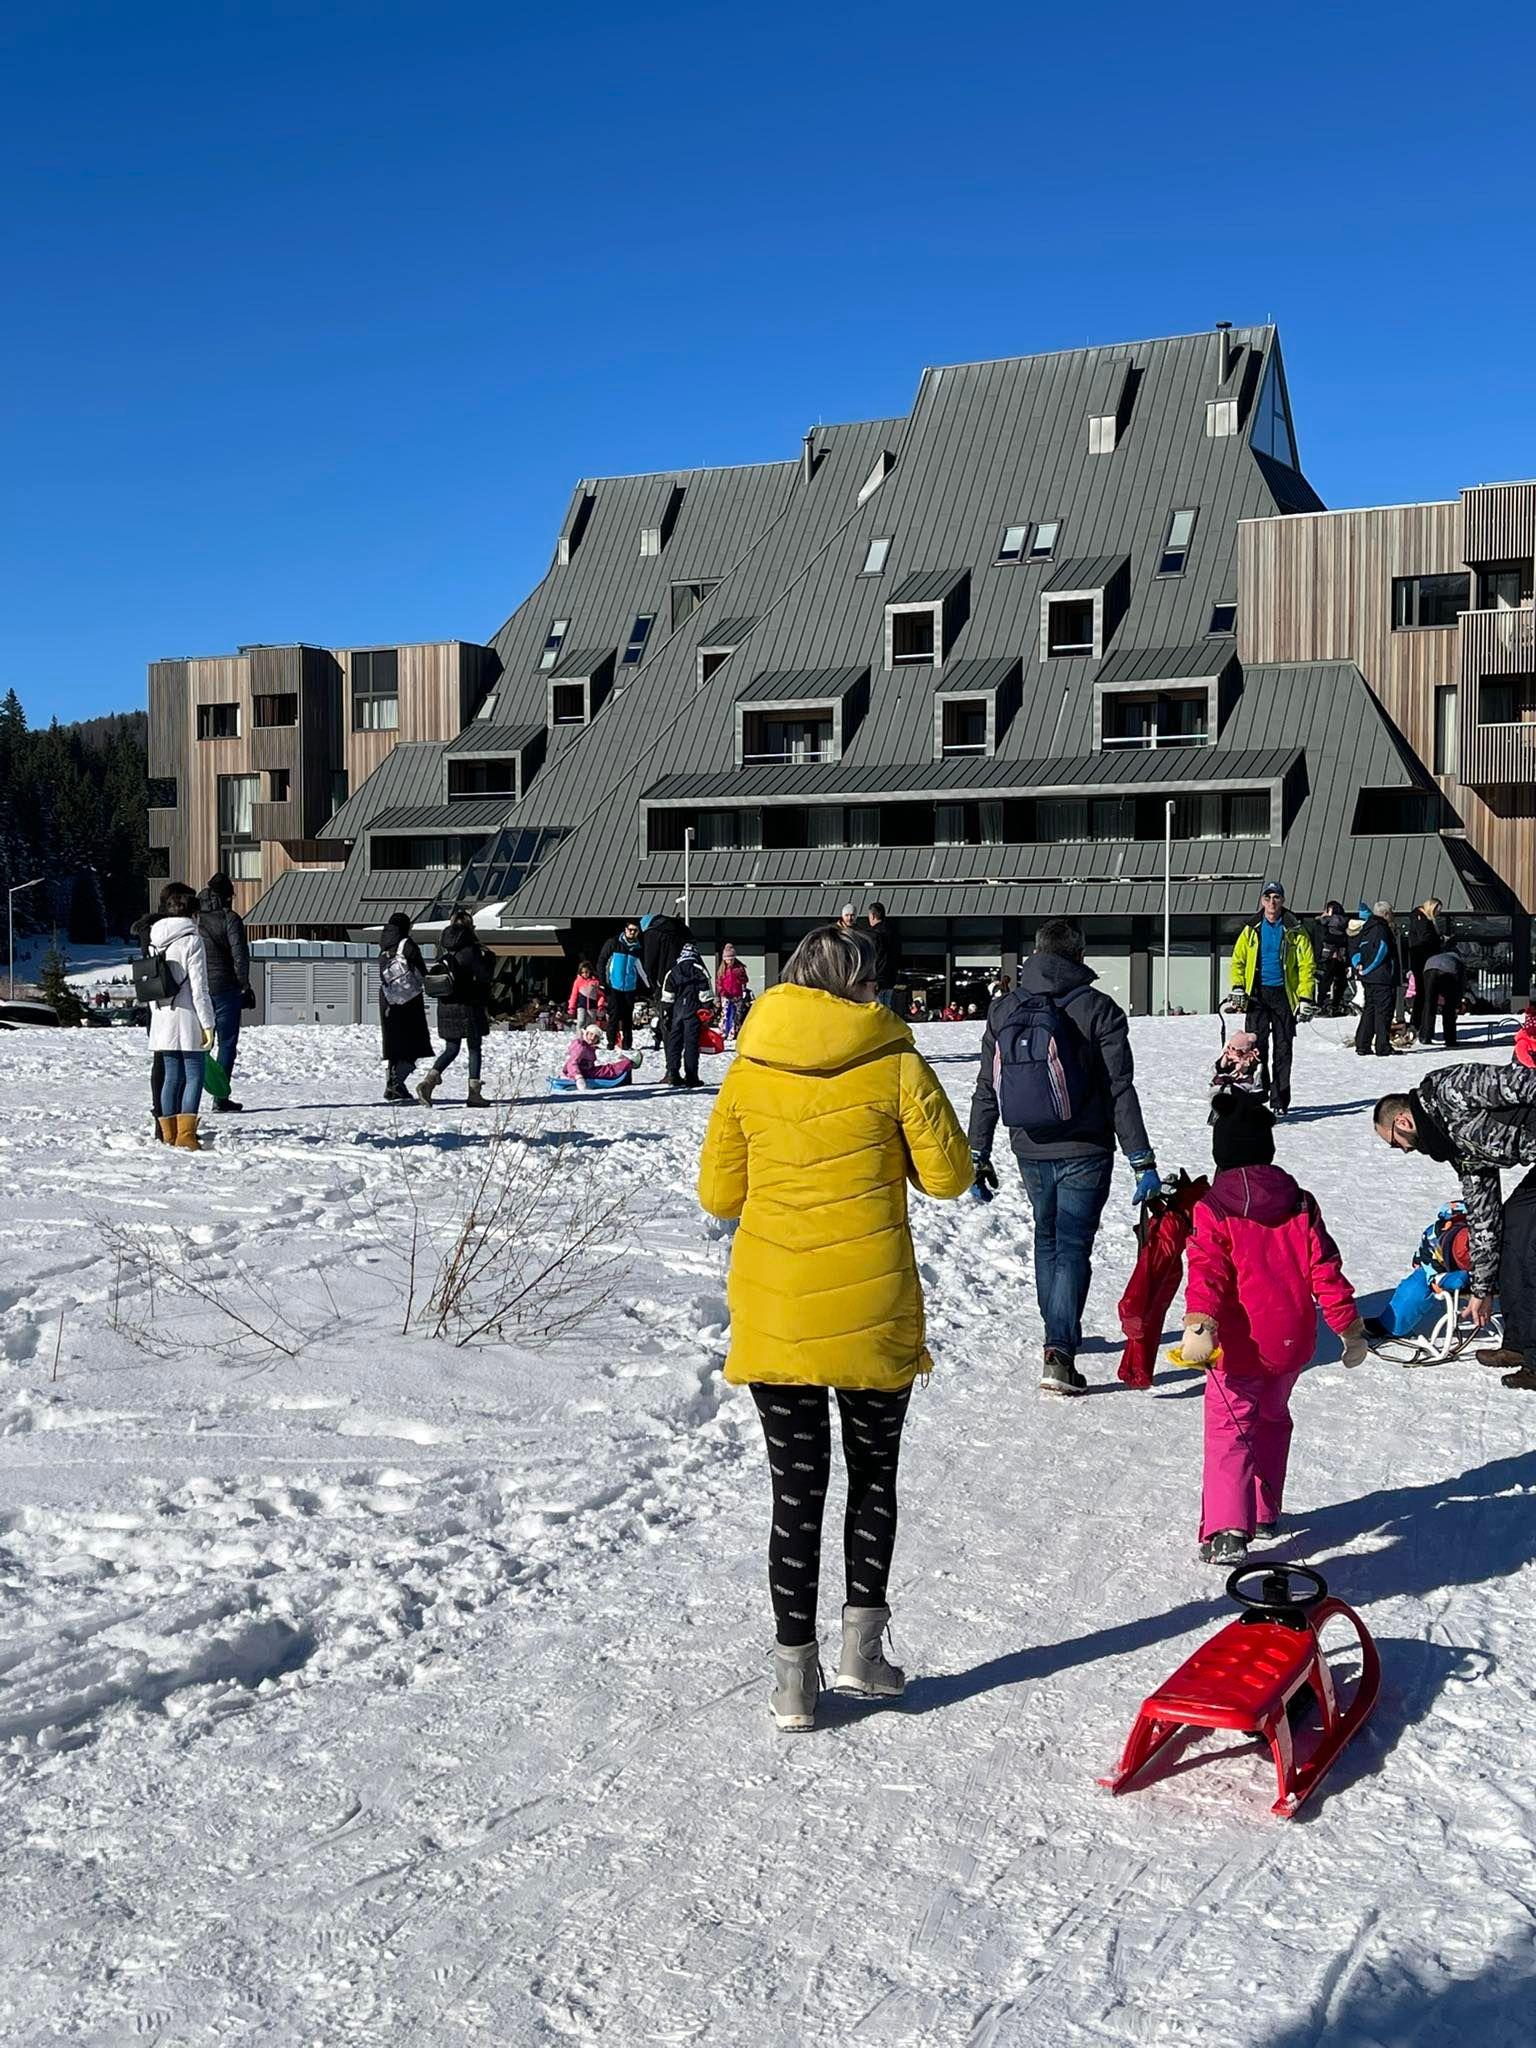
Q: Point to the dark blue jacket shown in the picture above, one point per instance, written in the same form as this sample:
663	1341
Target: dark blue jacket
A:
1375	956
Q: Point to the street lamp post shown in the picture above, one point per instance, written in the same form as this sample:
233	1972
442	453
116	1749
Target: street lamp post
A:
687	853
10	912
1168	907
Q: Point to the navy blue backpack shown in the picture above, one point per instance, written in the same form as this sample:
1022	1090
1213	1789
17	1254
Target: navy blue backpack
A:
1041	1073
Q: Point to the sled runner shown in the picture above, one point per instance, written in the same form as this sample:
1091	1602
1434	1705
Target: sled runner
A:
1267	1674
1449	1336
1422	1323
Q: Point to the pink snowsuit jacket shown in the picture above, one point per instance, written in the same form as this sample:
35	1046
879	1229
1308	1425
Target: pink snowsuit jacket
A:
583	1064
1259	1258
731	981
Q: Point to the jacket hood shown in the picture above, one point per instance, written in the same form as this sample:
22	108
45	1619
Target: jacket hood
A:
210	899
1048	974
807	1031
1266	1194
164	929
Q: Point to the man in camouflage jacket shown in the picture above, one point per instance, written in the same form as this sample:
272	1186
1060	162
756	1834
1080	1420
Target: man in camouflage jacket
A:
1480	1119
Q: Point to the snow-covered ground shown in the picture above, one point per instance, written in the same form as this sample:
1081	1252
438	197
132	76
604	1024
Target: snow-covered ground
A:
396	1693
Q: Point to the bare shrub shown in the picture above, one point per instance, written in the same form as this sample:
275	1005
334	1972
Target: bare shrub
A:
163	1300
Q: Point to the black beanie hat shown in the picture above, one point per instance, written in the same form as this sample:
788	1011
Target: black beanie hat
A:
1243	1133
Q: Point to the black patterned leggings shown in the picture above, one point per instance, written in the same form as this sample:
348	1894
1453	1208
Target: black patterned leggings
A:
798	1427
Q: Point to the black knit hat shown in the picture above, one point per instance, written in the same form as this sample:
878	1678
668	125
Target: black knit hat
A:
1243	1133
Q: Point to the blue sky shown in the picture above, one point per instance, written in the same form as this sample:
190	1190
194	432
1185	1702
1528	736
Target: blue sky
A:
316	312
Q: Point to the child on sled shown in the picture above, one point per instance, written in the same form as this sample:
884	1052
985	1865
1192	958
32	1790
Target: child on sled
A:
584	1068
1259	1259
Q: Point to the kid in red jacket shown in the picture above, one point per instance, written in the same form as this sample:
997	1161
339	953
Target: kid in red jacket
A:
586	1003
731	988
1259	1259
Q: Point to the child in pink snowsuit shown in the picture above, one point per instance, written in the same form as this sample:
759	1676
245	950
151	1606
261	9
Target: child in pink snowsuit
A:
731	988
1259	1259
582	1064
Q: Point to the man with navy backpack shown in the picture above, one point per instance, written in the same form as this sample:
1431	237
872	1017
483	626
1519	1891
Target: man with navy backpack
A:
1056	1068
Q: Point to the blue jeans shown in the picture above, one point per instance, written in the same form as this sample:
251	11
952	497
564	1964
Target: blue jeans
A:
226	1022
450	1053
1067	1197
181	1085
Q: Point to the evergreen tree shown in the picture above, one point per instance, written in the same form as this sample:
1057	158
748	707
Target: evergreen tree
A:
54	989
74	810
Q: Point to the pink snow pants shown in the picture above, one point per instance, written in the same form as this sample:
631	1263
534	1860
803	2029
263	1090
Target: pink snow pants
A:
1247	1443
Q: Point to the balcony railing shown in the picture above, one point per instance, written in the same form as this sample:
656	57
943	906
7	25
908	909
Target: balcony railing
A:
793	758
1153	740
1498	643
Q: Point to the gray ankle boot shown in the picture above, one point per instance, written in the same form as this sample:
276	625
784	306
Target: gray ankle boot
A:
476	1097
427	1087
863	1666
796	1683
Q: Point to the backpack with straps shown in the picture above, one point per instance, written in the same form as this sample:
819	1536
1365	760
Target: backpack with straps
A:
398	980
154	978
1040	1071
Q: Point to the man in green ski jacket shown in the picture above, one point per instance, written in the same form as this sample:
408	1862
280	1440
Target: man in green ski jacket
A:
1273	980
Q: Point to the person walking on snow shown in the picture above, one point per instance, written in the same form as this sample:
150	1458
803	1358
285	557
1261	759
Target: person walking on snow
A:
684	990
824	1116
1478	1120
1057	1026
461	1014
229	971
1375	961
731	987
402	1006
181	1028
1273	978
887	954
623	975
1260	1263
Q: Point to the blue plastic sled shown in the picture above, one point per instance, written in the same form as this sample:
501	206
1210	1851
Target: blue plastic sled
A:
563	1086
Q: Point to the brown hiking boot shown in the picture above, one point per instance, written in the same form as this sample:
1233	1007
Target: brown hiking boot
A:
1525	1378
1501	1359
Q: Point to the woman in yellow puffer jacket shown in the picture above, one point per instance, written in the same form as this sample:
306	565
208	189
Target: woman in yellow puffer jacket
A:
826	1113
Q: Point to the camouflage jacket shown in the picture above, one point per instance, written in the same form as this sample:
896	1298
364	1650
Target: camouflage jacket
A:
1479	1119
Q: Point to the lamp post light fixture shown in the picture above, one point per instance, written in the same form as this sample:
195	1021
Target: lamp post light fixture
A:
10	910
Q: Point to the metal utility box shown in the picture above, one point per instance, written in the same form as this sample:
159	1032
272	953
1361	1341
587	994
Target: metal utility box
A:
319	982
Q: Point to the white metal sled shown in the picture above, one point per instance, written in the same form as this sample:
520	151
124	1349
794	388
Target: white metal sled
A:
1451	1336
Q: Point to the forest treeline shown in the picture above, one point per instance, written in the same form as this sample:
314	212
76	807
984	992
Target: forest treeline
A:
74	810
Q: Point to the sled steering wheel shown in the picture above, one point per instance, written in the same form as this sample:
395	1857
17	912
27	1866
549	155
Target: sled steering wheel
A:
1275	1595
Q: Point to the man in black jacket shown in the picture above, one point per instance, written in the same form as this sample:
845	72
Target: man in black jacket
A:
229	968
1066	1179
687	986
1331	951
887	955
1480	1119
1375	961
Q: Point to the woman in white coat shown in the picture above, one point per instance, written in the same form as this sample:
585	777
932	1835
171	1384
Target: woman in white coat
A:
181	1028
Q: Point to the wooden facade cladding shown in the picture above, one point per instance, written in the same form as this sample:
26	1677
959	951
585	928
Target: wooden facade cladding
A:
440	684
1318	587
1500	522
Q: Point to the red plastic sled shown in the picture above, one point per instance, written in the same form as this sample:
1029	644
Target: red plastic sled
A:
1247	1677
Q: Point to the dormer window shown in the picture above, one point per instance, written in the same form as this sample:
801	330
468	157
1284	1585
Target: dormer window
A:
874	560
1069	625
974	705
1220	418
578	686
912	637
1043	546
1011	547
799	716
1109	405
639	633
963	726
1082	604
1181	531
1223	619
568	704
885	462
558	629
576	526
687	597
657	529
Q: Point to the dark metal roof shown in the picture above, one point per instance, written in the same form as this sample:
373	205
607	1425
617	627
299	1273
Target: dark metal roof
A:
977	678
462	815
581	664
410	773
927	586
727	632
782	685
1196	664
481	737
961	774
1086	572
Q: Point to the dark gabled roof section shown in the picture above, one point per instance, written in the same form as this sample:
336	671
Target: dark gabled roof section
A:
927	586
582	664
726	633
481	737
786	685
462	815
961	775
1197	664
976	676
1087	572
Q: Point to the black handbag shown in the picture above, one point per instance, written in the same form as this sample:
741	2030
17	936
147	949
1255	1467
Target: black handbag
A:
154	979
438	984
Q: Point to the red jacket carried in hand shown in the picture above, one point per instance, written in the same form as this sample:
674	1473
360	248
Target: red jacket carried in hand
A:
1155	1279
1259	1259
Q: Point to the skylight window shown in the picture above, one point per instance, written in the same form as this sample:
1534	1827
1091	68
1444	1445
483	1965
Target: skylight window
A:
1220	418
1223	619
874	561
1181	531
557	632
1043	546
639	633
1011	547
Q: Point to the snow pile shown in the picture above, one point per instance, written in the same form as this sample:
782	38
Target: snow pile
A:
390	1691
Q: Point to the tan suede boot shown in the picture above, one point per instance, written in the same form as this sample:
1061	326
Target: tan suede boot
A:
186	1133
166	1127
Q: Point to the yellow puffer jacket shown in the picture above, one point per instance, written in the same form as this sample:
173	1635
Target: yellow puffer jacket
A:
827	1112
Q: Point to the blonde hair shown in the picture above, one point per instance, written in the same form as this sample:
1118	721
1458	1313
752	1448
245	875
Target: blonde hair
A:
834	957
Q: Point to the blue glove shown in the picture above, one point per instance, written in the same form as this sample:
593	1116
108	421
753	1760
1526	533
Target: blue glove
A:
984	1186
1148	1179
